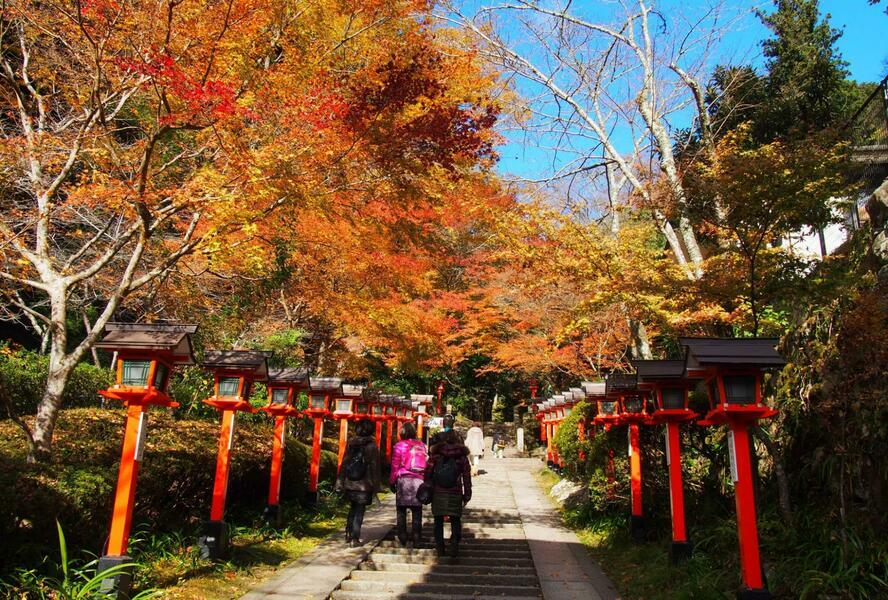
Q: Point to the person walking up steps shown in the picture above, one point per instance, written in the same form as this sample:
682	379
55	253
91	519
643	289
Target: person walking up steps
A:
449	472
359	478
409	461
475	443
499	445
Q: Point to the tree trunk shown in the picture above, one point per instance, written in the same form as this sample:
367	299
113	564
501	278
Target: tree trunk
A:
675	245
92	349
784	502
641	345
61	364
48	412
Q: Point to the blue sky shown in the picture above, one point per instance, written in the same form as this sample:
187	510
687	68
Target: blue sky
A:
864	45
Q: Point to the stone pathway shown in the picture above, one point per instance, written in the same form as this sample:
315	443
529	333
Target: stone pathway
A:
513	548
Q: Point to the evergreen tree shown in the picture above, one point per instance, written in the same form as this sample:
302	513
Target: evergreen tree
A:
806	82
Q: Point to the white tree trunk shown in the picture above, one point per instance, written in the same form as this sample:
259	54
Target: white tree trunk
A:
61	364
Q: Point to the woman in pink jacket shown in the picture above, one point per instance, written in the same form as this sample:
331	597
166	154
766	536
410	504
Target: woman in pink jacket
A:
408	464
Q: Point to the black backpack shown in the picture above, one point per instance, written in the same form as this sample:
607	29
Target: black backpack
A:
356	469
447	473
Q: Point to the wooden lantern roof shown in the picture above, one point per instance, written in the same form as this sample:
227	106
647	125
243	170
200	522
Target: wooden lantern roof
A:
659	370
370	394
289	376
239	360
352	391
327	385
422	398
578	393
168	338
620	383
594	388
732	352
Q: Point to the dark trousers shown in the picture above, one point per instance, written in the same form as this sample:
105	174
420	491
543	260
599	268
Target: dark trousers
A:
355	520
416	521
455	530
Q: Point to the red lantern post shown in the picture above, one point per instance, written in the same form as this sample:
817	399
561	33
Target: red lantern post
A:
563	408
378	416
421	404
391	415
634	412
284	386
732	371
321	390
147	353
235	372
440	395
345	411
666	381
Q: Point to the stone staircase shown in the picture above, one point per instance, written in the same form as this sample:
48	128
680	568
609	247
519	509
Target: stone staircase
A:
495	559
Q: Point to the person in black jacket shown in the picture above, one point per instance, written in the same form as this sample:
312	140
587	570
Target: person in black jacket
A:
359	478
449	472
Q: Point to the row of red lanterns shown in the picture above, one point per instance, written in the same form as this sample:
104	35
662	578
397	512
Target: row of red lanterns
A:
731	370
147	354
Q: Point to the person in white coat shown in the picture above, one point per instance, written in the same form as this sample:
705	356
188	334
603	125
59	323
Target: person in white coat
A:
475	444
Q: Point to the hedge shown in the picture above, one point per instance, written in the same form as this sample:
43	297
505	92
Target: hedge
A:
24	375
175	479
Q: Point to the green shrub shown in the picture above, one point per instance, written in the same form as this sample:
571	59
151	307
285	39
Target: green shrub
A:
175	478
24	374
570	448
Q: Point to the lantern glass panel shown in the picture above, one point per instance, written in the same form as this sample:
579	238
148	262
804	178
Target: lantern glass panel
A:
608	408
740	389
633	405
343	405
228	386
161	374
362	408
377	409
319	402
673	398
567	411
135	372
422	408
248	389
279	395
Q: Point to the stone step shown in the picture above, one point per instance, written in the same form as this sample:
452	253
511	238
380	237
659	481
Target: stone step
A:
460	569
492	543
343	595
509	536
467	552
430	558
467	579
475	528
350	585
